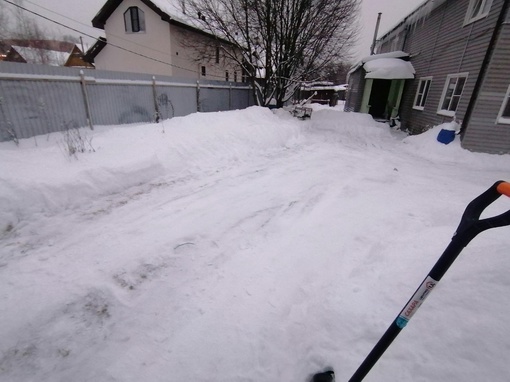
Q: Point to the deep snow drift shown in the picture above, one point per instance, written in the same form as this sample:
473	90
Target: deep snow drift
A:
246	246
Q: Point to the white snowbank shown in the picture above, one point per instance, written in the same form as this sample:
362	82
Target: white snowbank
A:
47	180
246	246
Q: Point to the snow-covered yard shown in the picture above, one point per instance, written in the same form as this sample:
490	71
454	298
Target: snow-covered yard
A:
246	246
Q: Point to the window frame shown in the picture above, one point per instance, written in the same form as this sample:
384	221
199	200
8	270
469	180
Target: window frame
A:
129	18
502	119
447	112
428	83
481	14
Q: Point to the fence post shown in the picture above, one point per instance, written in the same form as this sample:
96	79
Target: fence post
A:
198	95
86	99
155	96
230	96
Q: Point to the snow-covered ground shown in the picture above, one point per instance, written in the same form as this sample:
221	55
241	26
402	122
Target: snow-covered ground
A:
246	246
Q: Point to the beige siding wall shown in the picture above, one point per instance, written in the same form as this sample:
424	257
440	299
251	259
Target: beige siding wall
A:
174	49
484	132
187	52
154	43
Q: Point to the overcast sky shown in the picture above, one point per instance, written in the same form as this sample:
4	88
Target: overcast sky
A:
79	13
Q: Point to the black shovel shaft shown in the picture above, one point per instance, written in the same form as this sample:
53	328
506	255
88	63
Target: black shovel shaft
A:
470	226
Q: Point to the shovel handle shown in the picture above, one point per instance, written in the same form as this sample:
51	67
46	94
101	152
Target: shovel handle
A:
470	226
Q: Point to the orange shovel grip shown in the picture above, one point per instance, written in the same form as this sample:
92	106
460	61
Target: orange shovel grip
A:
504	188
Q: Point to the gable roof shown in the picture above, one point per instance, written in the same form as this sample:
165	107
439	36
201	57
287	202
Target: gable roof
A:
169	11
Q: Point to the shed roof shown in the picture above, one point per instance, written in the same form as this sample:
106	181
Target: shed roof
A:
389	69
394	54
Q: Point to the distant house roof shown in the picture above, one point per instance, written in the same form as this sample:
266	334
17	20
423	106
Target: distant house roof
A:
41	56
323	85
48	52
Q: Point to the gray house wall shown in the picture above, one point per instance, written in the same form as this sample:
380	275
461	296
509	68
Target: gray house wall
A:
440	45
483	132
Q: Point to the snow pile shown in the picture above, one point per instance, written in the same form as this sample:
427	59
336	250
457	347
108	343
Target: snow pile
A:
49	180
246	246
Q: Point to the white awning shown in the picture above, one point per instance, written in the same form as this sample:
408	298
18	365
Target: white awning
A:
389	69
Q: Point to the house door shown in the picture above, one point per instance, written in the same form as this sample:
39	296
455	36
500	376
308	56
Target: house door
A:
379	99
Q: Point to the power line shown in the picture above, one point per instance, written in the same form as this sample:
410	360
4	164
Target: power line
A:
97	39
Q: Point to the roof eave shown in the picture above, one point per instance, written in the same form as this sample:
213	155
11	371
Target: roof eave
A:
110	6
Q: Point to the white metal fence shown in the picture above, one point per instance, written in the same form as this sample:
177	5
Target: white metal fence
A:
39	99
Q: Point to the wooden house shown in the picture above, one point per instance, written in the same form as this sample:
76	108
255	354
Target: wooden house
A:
460	50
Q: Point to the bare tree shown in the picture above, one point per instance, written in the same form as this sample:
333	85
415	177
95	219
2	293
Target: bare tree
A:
282	41
335	72
19	24
5	30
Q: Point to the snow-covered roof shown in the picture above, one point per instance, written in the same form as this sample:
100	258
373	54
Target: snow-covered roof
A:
421	12
324	86
169	10
42	56
389	69
394	54
174	9
397	54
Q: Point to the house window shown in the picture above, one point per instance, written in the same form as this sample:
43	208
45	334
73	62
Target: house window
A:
477	9
226	75
134	20
504	112
394	44
217	54
202	71
451	94
235	76
421	93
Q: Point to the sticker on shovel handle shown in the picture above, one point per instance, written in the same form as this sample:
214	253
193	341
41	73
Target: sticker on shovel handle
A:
415	302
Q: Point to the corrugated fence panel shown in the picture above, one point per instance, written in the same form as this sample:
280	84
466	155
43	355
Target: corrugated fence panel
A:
120	104
39	99
239	98
41	107
176	101
214	99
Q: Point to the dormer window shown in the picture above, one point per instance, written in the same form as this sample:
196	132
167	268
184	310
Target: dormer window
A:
134	20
